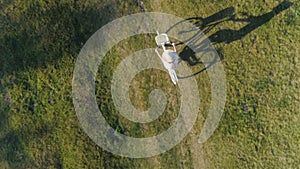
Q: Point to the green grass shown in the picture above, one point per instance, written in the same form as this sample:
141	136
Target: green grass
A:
39	43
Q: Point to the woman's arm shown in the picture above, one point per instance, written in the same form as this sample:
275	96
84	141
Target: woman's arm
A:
173	44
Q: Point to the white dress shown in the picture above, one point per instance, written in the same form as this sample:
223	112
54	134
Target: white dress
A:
170	62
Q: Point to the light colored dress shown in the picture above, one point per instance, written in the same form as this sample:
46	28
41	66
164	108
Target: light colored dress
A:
171	59
170	62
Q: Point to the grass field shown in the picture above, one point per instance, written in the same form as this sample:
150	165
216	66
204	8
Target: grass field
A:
258	45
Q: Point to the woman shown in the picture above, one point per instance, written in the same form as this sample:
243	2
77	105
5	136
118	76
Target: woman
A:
170	61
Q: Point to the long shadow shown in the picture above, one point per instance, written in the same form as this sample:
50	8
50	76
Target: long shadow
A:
230	35
43	34
37	37
205	25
